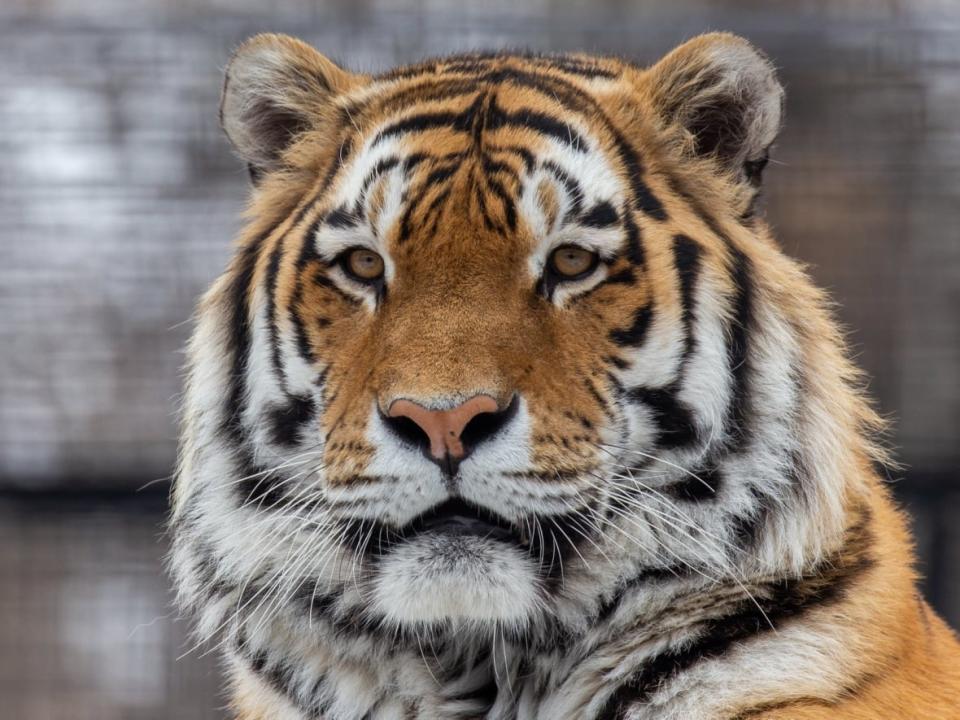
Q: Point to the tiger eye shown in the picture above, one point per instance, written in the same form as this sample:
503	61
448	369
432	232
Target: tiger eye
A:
570	261
365	264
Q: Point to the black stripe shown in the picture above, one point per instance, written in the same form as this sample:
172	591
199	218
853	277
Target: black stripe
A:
635	252
634	335
523	153
318	604
259	488
575	66
600	215
307	254
341	218
564	63
410	162
320	278
343	153
626	276
286	421
674	419
439	175
705	486
485	695
484	212
495	166
509	209
648	203
418	123
534	120
746	527
239	326
462	121
643	579
280	676
686	258
420	92
273	270
572	186
384	165
738	352
601	400
435	211
406	223
617	362
773	604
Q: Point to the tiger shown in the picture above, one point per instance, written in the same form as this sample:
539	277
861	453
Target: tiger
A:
509	406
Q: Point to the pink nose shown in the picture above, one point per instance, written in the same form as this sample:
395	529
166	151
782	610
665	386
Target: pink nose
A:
444	427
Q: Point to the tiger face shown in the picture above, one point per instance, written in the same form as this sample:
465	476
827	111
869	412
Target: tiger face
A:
483	353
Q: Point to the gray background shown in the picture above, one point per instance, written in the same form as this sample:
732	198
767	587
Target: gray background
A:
119	198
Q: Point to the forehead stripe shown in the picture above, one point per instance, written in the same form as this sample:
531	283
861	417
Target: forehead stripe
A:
600	215
384	165
418	123
341	218
571	185
493	118
538	121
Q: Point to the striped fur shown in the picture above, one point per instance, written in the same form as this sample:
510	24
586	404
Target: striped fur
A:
688	477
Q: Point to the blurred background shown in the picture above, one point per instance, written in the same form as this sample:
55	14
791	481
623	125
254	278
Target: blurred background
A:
119	198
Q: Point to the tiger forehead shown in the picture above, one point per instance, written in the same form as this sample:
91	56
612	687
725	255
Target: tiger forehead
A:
494	154
503	191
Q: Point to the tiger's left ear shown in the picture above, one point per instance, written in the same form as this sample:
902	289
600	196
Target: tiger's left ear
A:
276	88
723	96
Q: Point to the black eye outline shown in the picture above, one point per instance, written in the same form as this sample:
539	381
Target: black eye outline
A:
552	263
343	260
553	277
377	284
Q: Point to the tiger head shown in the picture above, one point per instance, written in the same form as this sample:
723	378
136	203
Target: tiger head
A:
503	335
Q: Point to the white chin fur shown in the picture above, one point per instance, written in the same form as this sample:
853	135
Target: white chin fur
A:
436	578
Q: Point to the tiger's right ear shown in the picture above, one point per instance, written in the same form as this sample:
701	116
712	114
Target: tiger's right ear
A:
723	97
276	87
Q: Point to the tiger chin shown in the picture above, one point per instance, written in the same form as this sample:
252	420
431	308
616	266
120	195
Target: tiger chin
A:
509	406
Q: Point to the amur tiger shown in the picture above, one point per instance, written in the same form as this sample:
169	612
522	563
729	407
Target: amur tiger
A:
509	407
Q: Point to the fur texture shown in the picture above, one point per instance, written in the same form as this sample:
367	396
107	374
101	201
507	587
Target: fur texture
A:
685	516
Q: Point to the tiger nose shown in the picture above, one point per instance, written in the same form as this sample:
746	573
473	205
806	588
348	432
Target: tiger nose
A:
448	436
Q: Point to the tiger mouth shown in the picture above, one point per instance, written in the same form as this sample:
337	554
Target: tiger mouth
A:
458	517
548	539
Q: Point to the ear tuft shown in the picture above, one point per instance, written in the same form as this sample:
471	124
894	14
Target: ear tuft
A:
724	97
275	88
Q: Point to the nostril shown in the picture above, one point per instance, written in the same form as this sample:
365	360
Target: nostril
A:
485	425
407	431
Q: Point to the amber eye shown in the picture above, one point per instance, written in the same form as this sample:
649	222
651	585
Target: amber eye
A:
364	265
572	262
